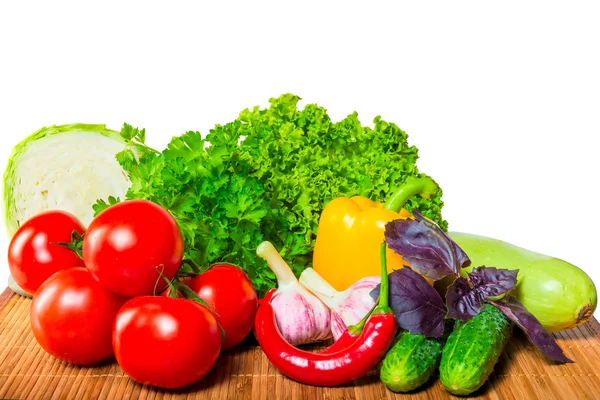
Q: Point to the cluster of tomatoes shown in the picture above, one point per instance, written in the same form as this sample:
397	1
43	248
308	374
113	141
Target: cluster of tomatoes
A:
104	294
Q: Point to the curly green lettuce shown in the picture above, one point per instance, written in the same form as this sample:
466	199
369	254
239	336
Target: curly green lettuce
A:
267	176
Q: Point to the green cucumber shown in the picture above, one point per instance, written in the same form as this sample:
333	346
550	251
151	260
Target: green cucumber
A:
412	361
473	349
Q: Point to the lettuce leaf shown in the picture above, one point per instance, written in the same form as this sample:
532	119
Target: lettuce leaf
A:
267	176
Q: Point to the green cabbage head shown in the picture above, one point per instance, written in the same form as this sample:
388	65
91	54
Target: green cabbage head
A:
66	167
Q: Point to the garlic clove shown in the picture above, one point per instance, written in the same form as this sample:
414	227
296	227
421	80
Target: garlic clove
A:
347	307
338	326
301	317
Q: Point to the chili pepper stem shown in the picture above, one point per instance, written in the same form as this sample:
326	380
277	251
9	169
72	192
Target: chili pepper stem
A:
424	185
357	328
383	306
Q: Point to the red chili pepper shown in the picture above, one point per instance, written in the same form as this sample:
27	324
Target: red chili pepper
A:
326	368
345	340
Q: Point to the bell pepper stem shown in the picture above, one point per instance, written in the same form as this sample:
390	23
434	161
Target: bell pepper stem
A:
423	185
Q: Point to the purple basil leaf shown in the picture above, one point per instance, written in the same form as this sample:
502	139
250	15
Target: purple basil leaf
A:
514	310
462	300
417	306
425	246
490	281
465	298
461	257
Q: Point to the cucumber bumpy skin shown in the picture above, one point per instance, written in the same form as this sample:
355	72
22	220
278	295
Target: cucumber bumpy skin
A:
411	362
473	349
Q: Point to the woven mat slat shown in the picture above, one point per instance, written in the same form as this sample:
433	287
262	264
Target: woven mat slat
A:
27	372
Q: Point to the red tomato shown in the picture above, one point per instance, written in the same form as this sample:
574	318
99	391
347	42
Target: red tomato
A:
127	244
72	317
164	342
33	254
229	292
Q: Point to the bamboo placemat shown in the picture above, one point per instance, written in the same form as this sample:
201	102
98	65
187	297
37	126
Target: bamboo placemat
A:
27	372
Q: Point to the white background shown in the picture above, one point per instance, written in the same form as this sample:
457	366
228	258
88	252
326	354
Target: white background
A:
502	100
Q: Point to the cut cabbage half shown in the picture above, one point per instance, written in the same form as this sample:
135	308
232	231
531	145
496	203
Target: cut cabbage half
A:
65	167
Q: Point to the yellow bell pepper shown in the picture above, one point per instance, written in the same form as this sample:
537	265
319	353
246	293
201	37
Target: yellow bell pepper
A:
351	231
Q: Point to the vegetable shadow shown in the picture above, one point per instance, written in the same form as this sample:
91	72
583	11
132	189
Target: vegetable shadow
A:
220	376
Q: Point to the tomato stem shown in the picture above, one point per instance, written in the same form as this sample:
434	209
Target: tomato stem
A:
76	244
176	288
189	294
170	284
195	268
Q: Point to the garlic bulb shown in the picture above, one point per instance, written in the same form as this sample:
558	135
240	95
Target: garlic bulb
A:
347	307
301	317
